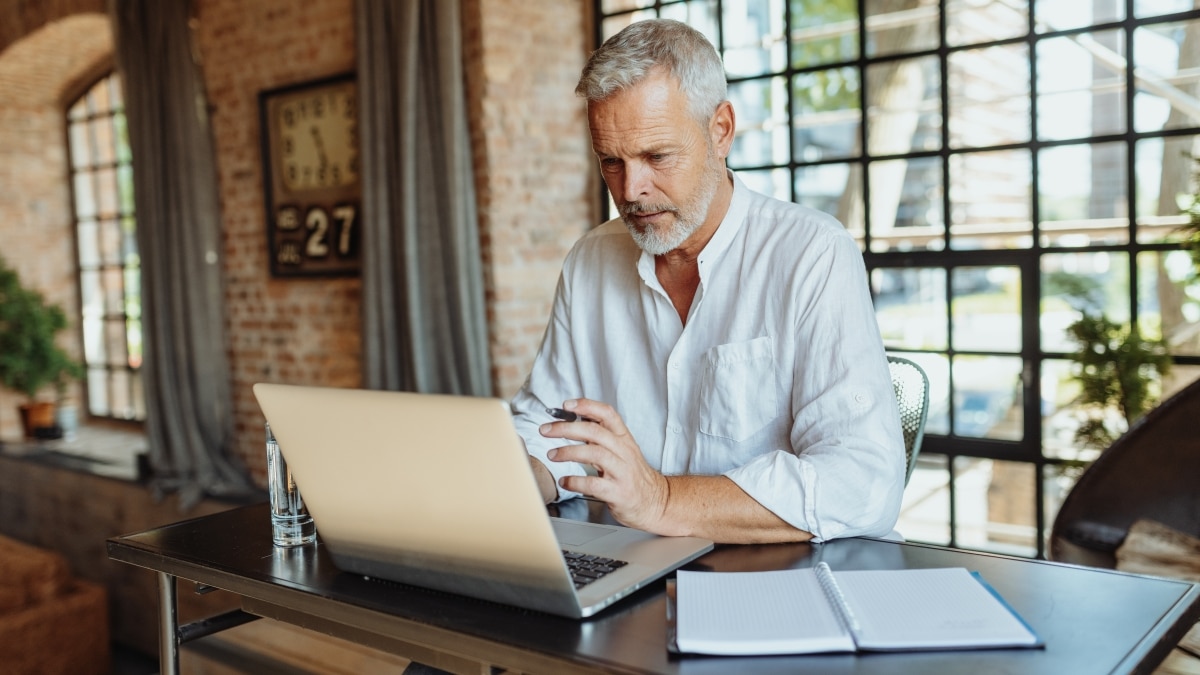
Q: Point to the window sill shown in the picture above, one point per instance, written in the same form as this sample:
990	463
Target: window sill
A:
95	449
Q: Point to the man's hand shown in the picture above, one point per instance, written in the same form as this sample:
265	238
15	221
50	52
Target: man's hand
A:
636	494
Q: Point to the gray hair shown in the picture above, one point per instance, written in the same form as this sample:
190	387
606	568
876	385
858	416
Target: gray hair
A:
626	58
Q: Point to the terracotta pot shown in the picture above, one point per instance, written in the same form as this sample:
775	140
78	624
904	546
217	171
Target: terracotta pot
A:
37	415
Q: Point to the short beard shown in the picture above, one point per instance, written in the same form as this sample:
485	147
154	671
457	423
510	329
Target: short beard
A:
689	216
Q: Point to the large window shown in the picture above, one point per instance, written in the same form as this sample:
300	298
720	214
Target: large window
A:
109	266
989	156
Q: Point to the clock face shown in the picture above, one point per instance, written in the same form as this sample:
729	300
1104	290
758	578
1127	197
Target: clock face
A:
318	138
311	182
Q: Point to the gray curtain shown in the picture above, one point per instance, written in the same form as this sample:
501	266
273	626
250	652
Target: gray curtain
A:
424	320
189	417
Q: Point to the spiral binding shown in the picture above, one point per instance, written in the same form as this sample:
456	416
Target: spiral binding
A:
834	593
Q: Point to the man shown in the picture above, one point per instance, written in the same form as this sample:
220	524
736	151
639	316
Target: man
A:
719	346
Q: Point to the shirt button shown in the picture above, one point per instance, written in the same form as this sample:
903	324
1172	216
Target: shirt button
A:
860	398
675	429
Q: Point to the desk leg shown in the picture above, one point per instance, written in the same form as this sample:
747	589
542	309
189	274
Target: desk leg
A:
168	642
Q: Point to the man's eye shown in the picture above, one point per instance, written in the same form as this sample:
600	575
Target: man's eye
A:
610	163
657	157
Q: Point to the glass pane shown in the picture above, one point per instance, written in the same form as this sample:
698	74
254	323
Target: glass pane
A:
1169	300
699	14
610	6
1076	282
900	26
1081	85
1082	195
105	145
85	195
116	93
835	189
987	397
88	243
121	128
1168	75
93	339
1143	8
972	22
97	386
910	306
925	511
134	337
1059	422
823	32
826	114
115	339
762	122
133	292
106	192
773	182
986	309
906	205
122	401
78	111
110	242
754	38
125	188
114	295
990	200
91	294
99	99
1057	482
81	148
989	96
1052	15
996	506
904	107
1179	377
129	254
1166	186
613	24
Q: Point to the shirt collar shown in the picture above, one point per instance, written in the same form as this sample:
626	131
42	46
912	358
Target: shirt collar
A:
735	215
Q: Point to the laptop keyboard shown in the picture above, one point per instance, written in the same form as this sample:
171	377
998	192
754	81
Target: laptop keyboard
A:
587	568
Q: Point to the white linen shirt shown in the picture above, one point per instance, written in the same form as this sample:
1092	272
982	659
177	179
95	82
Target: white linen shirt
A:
778	380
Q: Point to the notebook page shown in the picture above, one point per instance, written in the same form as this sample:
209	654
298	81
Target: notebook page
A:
777	612
945	608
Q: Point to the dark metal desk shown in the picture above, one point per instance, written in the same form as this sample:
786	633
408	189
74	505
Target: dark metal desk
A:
1093	621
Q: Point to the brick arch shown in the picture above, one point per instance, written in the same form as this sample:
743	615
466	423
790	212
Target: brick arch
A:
40	74
56	63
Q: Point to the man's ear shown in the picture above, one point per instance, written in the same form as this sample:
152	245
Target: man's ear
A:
720	129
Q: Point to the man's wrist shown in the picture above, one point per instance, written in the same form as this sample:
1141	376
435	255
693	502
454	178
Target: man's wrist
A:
544	480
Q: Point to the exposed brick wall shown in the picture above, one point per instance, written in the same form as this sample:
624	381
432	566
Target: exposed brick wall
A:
534	172
38	75
298	331
533	167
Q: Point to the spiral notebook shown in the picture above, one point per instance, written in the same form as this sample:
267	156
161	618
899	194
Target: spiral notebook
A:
818	610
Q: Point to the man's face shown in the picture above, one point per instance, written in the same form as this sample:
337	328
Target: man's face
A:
657	161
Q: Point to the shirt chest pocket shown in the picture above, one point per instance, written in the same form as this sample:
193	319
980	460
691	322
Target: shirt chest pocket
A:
738	393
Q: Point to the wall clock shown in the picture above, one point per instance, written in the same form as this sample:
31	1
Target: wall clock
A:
311	179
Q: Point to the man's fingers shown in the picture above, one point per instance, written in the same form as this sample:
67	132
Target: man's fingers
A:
603	413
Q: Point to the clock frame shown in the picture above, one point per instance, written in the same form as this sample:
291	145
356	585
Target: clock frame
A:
312	185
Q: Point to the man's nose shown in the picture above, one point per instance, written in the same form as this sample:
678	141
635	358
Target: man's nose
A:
636	181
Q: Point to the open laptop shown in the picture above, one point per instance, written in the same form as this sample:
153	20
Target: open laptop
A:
436	491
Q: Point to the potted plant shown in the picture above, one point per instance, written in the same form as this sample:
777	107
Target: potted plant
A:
30	359
1119	371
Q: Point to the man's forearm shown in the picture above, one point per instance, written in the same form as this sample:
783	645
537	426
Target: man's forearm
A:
714	507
